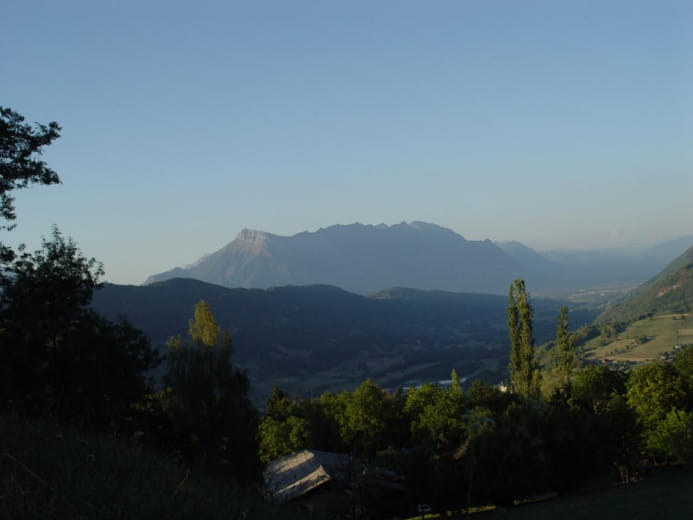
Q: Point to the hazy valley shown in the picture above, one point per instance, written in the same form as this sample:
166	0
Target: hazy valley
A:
296	326
310	339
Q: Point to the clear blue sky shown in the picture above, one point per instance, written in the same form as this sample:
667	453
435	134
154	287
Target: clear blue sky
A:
559	124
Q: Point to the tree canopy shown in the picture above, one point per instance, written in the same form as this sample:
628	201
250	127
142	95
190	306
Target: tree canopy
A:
58	356
20	148
205	402
203	328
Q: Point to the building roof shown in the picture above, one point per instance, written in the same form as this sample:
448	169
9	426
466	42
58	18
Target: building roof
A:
300	472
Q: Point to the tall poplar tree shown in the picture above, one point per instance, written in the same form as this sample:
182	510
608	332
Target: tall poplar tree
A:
563	353
525	376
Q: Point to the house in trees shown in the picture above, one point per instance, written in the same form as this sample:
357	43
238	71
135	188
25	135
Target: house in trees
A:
323	481
298	474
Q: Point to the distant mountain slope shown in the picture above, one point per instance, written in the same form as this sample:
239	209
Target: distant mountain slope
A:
670	291
526	255
665	252
540	273
358	258
312	338
616	265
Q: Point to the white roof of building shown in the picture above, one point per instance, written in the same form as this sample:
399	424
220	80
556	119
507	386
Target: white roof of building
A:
300	472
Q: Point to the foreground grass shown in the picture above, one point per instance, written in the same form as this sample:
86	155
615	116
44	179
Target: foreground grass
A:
47	471
667	495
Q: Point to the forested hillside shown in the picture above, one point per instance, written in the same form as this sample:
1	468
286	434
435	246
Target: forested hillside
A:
309	339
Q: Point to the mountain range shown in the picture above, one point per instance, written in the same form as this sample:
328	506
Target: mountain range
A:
365	259
357	258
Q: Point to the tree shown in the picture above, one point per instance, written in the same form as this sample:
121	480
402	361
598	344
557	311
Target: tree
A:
525	376
20	146
455	384
683	364
56	282
478	422
594	387
284	428
364	425
435	415
279	438
43	297
203	328
608	427
563	353
58	356
369	418
653	392
212	420
673	436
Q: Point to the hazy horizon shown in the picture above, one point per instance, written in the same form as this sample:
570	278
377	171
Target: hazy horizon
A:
558	125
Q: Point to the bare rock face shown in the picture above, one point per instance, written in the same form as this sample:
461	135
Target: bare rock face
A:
253	241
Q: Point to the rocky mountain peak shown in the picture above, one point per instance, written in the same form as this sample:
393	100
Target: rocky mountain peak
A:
251	235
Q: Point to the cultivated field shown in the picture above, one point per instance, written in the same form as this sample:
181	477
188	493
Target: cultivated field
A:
644	340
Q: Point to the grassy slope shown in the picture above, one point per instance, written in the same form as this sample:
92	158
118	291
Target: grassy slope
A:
662	331
670	291
47	471
665	496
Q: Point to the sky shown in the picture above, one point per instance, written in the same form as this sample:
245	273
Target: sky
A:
557	124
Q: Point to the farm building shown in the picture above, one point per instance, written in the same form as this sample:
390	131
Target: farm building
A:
319	480
301	472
